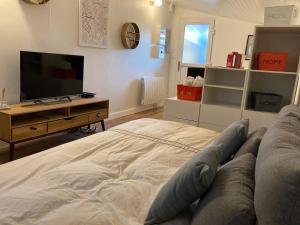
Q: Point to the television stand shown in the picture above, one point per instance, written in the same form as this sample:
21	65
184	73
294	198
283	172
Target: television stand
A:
20	124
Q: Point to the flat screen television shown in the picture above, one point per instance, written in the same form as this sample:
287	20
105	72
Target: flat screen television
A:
47	75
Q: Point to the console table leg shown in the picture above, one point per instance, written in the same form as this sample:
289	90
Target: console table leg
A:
11	151
103	125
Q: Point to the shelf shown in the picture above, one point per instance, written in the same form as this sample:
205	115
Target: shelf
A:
274	72
226	68
223	97
225	87
182	100
20	120
38	117
25	108
256	111
231	106
218	77
83	109
192	65
278	39
270	83
27	120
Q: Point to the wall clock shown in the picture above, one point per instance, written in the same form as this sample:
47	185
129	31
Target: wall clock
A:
36	2
130	35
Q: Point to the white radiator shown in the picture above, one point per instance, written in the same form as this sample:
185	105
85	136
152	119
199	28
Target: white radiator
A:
153	90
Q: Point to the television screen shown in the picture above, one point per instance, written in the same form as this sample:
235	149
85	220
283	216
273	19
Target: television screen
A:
47	75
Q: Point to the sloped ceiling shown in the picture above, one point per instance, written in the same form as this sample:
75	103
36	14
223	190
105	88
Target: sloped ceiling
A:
248	10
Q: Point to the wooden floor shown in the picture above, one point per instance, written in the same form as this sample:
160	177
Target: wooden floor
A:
41	144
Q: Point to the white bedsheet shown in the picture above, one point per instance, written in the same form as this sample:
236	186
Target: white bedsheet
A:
109	178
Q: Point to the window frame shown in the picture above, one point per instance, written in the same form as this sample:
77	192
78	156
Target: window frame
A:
198	21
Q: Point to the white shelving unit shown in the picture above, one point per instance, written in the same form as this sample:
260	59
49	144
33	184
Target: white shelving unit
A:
283	83
227	98
227	93
222	97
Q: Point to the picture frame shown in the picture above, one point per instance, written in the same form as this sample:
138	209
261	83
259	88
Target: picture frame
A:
249	47
93	23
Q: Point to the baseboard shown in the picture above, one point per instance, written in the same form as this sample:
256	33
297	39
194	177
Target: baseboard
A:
131	111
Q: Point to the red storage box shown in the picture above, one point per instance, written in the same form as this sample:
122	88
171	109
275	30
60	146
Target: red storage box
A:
234	60
189	93
273	61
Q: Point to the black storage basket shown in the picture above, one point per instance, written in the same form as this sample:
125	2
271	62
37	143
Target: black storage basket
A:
266	102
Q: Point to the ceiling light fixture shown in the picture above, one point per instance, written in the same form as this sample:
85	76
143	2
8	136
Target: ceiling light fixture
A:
156	2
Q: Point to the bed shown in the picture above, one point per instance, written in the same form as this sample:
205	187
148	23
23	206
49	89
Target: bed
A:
109	178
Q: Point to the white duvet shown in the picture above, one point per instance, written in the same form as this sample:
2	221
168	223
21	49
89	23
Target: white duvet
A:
109	178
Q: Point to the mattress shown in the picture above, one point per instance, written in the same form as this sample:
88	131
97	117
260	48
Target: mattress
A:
110	178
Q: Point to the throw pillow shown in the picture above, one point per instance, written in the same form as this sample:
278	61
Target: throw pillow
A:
252	143
188	184
230	199
232	138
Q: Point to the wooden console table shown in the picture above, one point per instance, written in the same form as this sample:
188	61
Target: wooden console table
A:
24	122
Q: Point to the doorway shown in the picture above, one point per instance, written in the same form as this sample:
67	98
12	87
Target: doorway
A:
194	49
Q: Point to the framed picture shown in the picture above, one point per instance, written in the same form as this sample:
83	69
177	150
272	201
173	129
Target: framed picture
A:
249	47
93	23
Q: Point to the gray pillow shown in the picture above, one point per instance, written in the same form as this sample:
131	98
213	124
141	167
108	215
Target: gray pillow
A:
184	218
187	185
230	199
232	138
252	143
277	172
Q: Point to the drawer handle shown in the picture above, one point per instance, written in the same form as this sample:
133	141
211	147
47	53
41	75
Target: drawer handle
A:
98	116
33	128
70	118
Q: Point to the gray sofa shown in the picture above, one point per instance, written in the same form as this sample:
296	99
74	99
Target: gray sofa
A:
259	185
277	172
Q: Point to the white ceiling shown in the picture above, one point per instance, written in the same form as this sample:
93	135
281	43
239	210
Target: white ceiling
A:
249	10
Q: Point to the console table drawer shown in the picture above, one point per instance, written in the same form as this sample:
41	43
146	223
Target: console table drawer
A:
29	131
67	123
98	116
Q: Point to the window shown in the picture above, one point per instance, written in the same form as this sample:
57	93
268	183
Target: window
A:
196	40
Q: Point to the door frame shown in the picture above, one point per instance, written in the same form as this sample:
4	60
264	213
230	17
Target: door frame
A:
181	30
296	96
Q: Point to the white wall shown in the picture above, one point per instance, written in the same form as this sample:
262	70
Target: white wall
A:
231	35
112	73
